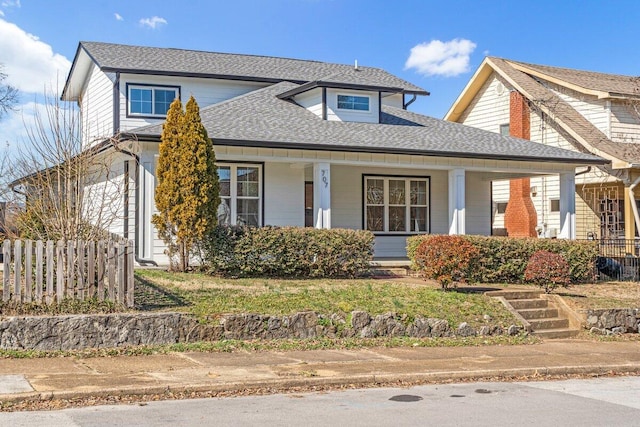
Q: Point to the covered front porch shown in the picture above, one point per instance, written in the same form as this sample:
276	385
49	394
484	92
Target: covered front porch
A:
393	195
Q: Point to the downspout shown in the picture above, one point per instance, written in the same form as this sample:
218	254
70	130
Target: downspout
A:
411	101
634	207
141	261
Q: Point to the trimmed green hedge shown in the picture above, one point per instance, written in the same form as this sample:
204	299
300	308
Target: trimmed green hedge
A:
288	252
504	259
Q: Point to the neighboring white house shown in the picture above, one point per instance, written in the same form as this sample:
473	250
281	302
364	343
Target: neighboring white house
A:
577	110
304	143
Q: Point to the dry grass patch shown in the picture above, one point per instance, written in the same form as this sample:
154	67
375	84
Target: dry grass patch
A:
603	295
206	296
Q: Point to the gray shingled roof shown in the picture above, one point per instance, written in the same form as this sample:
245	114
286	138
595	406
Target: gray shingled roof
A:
259	118
564	112
117	57
612	83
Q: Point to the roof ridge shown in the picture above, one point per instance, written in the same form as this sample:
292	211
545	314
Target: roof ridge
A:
531	64
226	53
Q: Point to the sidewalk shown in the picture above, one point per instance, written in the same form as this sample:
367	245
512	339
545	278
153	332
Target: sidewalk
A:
22	379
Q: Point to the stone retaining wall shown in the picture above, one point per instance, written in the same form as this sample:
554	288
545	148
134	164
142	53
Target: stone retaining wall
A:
74	332
614	321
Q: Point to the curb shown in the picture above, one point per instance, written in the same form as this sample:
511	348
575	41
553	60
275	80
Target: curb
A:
277	385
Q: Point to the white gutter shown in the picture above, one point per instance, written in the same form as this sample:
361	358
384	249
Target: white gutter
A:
634	207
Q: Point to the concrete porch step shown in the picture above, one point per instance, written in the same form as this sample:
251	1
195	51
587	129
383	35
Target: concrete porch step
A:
391	267
515	295
550	323
556	333
538	313
526	304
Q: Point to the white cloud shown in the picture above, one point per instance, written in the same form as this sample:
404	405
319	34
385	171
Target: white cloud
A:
153	22
438	58
118	17
1	13
11	3
30	64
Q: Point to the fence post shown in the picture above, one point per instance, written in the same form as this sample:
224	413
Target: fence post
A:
91	268
50	276
17	269
80	261
39	271
28	270
121	273
101	270
60	271
6	276
111	273
130	278
70	279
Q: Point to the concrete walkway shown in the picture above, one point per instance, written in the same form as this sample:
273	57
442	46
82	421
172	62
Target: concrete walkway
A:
69	377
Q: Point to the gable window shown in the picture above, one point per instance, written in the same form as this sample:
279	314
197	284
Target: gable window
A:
555	205
505	130
353	102
240	194
501	207
150	100
396	204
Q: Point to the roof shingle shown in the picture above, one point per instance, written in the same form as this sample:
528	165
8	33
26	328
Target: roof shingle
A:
259	118
141	59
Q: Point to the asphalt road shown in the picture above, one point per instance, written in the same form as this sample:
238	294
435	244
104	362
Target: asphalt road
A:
597	402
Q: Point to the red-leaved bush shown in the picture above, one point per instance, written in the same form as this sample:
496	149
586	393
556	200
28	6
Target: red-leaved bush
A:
446	259
547	270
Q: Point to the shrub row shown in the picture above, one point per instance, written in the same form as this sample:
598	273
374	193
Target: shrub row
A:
288	252
504	259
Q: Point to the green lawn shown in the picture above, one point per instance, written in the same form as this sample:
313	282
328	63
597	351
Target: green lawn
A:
206	296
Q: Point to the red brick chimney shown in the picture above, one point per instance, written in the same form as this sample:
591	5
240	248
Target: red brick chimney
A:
520	218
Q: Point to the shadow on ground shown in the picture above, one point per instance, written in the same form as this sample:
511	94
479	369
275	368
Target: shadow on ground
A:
149	297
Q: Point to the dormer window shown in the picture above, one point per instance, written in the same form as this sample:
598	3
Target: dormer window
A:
150	101
353	102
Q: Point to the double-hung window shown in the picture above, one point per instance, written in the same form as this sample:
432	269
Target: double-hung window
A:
396	204
151	100
353	102
240	194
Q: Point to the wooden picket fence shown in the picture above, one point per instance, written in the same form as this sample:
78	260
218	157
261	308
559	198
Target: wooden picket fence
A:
52	271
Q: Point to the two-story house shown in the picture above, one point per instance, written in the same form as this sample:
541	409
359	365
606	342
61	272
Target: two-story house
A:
583	111
303	143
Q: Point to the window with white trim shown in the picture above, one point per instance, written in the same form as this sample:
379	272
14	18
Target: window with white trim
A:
240	194
353	102
396	204
150	100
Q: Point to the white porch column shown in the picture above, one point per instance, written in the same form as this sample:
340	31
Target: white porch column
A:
456	201
567	206
322	195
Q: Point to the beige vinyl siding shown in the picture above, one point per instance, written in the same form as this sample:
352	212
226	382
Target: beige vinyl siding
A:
97	106
587	221
205	91
590	107
625	123
499	194
490	107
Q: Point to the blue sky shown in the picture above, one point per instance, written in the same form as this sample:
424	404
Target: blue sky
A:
38	38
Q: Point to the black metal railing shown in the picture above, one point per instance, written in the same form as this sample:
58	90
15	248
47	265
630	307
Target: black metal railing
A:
618	259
